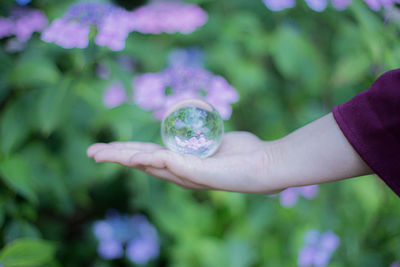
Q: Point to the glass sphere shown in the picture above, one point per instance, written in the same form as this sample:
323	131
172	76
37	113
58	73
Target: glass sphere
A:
192	126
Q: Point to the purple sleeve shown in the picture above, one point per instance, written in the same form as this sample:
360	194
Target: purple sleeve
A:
371	123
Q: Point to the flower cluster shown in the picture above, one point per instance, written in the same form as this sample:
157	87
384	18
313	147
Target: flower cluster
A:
72	30
136	233
114	95
318	248
289	197
320	5
22	23
114	24
169	17
160	91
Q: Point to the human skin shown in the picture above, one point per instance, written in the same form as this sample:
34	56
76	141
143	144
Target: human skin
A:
316	153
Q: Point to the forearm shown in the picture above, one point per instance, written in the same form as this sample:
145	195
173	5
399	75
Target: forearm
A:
316	153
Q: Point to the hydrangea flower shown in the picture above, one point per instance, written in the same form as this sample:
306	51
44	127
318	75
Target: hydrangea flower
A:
340	4
135	232
318	248
186	57
278	5
114	95
22	23
317	5
72	30
169	17
159	91
290	196
320	5
395	264
23	2
376	5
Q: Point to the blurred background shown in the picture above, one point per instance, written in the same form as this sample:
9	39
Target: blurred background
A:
74	73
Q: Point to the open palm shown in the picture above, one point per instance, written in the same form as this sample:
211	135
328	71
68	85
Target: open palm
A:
240	164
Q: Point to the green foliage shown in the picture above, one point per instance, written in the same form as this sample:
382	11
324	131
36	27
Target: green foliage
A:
26	252
289	68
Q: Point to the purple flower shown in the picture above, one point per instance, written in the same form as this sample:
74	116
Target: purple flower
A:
27	22
395	264
126	63
149	91
102	71
23	2
110	249
373	4
376	5
341	4
22	23
289	197
160	91
141	250
14	45
135	232
67	34
169	17
6	27
317	5
186	57
329	241
112	23
103	230
318	248
114	95
278	5
114	29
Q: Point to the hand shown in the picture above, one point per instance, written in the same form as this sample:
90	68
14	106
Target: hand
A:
241	164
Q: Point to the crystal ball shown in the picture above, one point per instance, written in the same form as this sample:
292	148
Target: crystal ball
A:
192	126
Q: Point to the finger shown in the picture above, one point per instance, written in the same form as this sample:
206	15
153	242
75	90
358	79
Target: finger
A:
121	156
93	149
158	159
184	166
136	145
164	174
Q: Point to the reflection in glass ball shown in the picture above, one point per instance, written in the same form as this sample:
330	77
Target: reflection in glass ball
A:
192	126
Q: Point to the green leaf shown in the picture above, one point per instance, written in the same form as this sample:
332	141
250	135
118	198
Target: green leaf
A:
27	252
51	104
19	229
15	173
33	70
297	59
14	125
